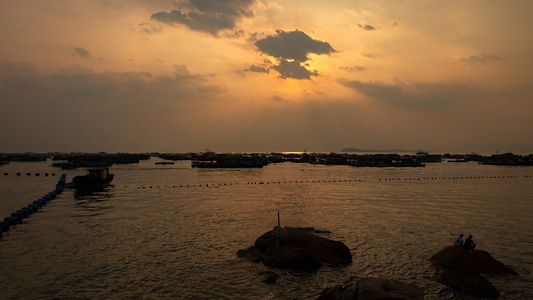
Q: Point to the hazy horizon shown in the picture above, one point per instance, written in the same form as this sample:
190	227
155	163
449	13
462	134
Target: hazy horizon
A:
265	76
345	150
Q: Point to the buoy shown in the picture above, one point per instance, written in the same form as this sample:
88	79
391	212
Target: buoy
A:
4	226
24	213
17	217
33	207
12	221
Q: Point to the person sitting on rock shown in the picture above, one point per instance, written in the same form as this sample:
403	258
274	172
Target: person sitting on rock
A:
469	244
458	241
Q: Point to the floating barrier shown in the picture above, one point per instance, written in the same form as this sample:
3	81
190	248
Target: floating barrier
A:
18	216
37	174
217	185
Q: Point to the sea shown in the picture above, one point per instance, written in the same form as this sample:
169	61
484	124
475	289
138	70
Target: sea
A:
172	231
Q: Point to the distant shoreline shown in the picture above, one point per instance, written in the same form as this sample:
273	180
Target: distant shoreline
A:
381	151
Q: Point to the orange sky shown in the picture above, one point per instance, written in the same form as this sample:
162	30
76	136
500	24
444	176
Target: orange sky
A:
260	76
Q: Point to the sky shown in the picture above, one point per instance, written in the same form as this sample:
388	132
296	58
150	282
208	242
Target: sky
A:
266	76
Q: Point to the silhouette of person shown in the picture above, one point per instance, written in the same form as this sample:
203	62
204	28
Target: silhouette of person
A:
458	241
469	244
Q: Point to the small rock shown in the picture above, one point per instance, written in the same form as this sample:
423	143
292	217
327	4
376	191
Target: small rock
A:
374	289
468	282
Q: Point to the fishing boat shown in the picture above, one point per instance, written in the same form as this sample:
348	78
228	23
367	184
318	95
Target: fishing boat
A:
96	178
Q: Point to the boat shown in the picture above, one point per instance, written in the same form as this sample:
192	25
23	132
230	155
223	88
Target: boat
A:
95	179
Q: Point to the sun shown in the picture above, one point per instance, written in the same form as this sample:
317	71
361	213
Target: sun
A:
293	152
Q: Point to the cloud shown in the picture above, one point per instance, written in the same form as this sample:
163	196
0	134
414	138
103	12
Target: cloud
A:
9	69
82	52
293	69
366	27
353	69
294	45
149	28
368	55
292	50
277	98
413	95
259	69
477	59
209	16
80	103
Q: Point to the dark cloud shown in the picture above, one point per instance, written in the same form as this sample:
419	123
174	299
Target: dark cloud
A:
413	95
82	52
293	69
210	16
477	59
259	69
292	50
294	45
366	27
9	69
70	101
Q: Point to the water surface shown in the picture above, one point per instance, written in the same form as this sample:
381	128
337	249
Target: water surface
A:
171	232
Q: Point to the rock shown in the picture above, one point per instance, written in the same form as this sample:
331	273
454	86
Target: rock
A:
252	254
452	258
373	289
327	251
462	271
269	277
468	282
333	293
70	298
290	258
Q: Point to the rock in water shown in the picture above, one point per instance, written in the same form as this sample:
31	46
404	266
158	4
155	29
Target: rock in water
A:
462	271
291	258
325	250
469	283
374	289
452	258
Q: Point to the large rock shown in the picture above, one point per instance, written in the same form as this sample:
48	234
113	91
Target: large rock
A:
462	271
297	258
452	258
373	289
325	250
296	248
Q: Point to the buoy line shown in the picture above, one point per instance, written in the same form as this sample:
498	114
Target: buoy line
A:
30	174
280	182
17	216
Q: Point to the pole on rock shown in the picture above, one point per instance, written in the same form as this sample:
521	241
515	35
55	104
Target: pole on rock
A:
276	233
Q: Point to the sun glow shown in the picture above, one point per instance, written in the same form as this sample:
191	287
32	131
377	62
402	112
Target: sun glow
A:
293	152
